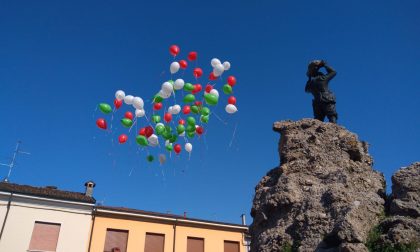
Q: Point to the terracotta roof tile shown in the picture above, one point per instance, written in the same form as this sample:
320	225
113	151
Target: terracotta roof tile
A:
46	192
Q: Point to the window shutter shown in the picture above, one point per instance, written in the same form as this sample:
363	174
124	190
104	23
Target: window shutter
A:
44	236
195	244
231	246
116	239
154	242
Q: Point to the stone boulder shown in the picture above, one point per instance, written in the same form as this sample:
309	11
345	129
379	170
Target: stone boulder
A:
324	196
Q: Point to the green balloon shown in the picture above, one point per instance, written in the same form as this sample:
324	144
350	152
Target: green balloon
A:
173	138
180	129
150	158
195	109
205	111
191	134
167	135
211	99
189	98
156	118
168	128
227	89
204	119
188	87
191	120
126	122
171	81
105	108
157	98
169	147
190	128
141	140
160	129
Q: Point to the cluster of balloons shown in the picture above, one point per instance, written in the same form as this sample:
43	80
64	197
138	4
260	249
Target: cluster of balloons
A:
172	122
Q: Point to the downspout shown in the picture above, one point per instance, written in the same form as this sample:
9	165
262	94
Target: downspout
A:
174	235
7	214
93	225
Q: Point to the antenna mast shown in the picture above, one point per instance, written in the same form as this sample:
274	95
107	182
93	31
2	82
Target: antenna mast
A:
13	162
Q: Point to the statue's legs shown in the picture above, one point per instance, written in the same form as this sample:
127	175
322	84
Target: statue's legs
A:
318	111
331	112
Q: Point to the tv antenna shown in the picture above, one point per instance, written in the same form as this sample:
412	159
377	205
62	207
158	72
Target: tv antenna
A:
13	162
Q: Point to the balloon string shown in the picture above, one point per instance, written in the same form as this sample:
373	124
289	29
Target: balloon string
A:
233	135
220	119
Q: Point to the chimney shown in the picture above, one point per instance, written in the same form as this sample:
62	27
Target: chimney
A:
89	188
243	219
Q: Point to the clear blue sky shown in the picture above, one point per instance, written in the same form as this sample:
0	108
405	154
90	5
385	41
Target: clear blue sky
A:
59	59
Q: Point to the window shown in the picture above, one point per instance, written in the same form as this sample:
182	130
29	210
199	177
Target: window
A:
116	240
195	244
154	242
231	246
44	236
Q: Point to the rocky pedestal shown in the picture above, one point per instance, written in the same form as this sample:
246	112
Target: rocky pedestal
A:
324	196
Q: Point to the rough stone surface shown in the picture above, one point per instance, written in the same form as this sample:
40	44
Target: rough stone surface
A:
405	197
403	226
324	196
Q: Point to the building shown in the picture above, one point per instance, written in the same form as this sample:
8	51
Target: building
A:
36	219
44	218
123	229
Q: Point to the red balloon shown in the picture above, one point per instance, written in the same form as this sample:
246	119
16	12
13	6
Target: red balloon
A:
212	77
181	121
148	131
198	103
128	115
232	100
231	80
142	131
174	50
167	117
197	88
186	109
122	138
192	56
117	103
157	106
199	130
208	88
101	123
183	64
177	148
198	72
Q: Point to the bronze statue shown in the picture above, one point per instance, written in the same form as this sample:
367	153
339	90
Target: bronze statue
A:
323	103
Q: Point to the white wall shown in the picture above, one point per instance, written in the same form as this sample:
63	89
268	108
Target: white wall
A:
75	223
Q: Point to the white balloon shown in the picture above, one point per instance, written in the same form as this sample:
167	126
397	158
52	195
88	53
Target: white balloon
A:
179	84
167	143
164	95
138	103
214	92
176	109
140	112
218	70
167	87
170	109
226	65
158	124
174	67
128	99
188	147
182	134
230	108
153	140
215	62
119	95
